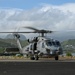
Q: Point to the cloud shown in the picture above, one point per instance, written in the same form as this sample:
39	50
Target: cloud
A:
47	16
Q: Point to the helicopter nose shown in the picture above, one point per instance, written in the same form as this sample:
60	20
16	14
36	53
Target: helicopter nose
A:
54	52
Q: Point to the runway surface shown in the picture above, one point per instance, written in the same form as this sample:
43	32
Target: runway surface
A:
41	67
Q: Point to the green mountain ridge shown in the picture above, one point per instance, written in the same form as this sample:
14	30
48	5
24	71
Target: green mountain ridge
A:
69	45
10	36
7	43
11	43
69	42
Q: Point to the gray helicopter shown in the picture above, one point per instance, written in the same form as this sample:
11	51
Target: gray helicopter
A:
40	46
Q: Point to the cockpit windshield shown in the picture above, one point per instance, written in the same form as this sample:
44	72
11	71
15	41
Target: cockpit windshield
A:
52	43
48	43
57	43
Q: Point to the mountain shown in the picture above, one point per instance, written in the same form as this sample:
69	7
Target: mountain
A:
9	41
6	43
69	45
10	36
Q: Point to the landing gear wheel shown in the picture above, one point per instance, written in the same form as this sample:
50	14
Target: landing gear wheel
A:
56	57
36	57
32	58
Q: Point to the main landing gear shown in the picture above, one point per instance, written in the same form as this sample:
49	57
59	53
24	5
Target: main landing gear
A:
35	57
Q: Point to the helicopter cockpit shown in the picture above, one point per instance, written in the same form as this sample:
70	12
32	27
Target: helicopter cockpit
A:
52	43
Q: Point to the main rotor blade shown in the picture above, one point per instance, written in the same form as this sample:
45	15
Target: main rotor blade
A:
31	28
39	31
17	32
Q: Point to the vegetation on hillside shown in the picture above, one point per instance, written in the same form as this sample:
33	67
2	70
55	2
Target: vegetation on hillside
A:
5	43
69	45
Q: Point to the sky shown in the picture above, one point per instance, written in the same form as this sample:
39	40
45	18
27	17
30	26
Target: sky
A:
56	15
29	4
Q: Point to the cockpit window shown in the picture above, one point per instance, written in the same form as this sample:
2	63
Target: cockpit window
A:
57	43
53	43
49	43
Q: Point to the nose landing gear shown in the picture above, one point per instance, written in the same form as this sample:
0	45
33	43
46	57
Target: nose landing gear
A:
56	57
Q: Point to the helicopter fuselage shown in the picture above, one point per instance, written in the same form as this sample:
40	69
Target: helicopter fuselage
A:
44	47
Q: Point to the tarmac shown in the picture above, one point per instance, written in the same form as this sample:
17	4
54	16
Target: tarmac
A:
43	66
34	68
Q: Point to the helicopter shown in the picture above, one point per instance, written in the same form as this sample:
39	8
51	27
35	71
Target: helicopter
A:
40	46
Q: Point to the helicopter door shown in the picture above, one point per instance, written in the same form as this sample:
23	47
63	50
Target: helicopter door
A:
35	46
